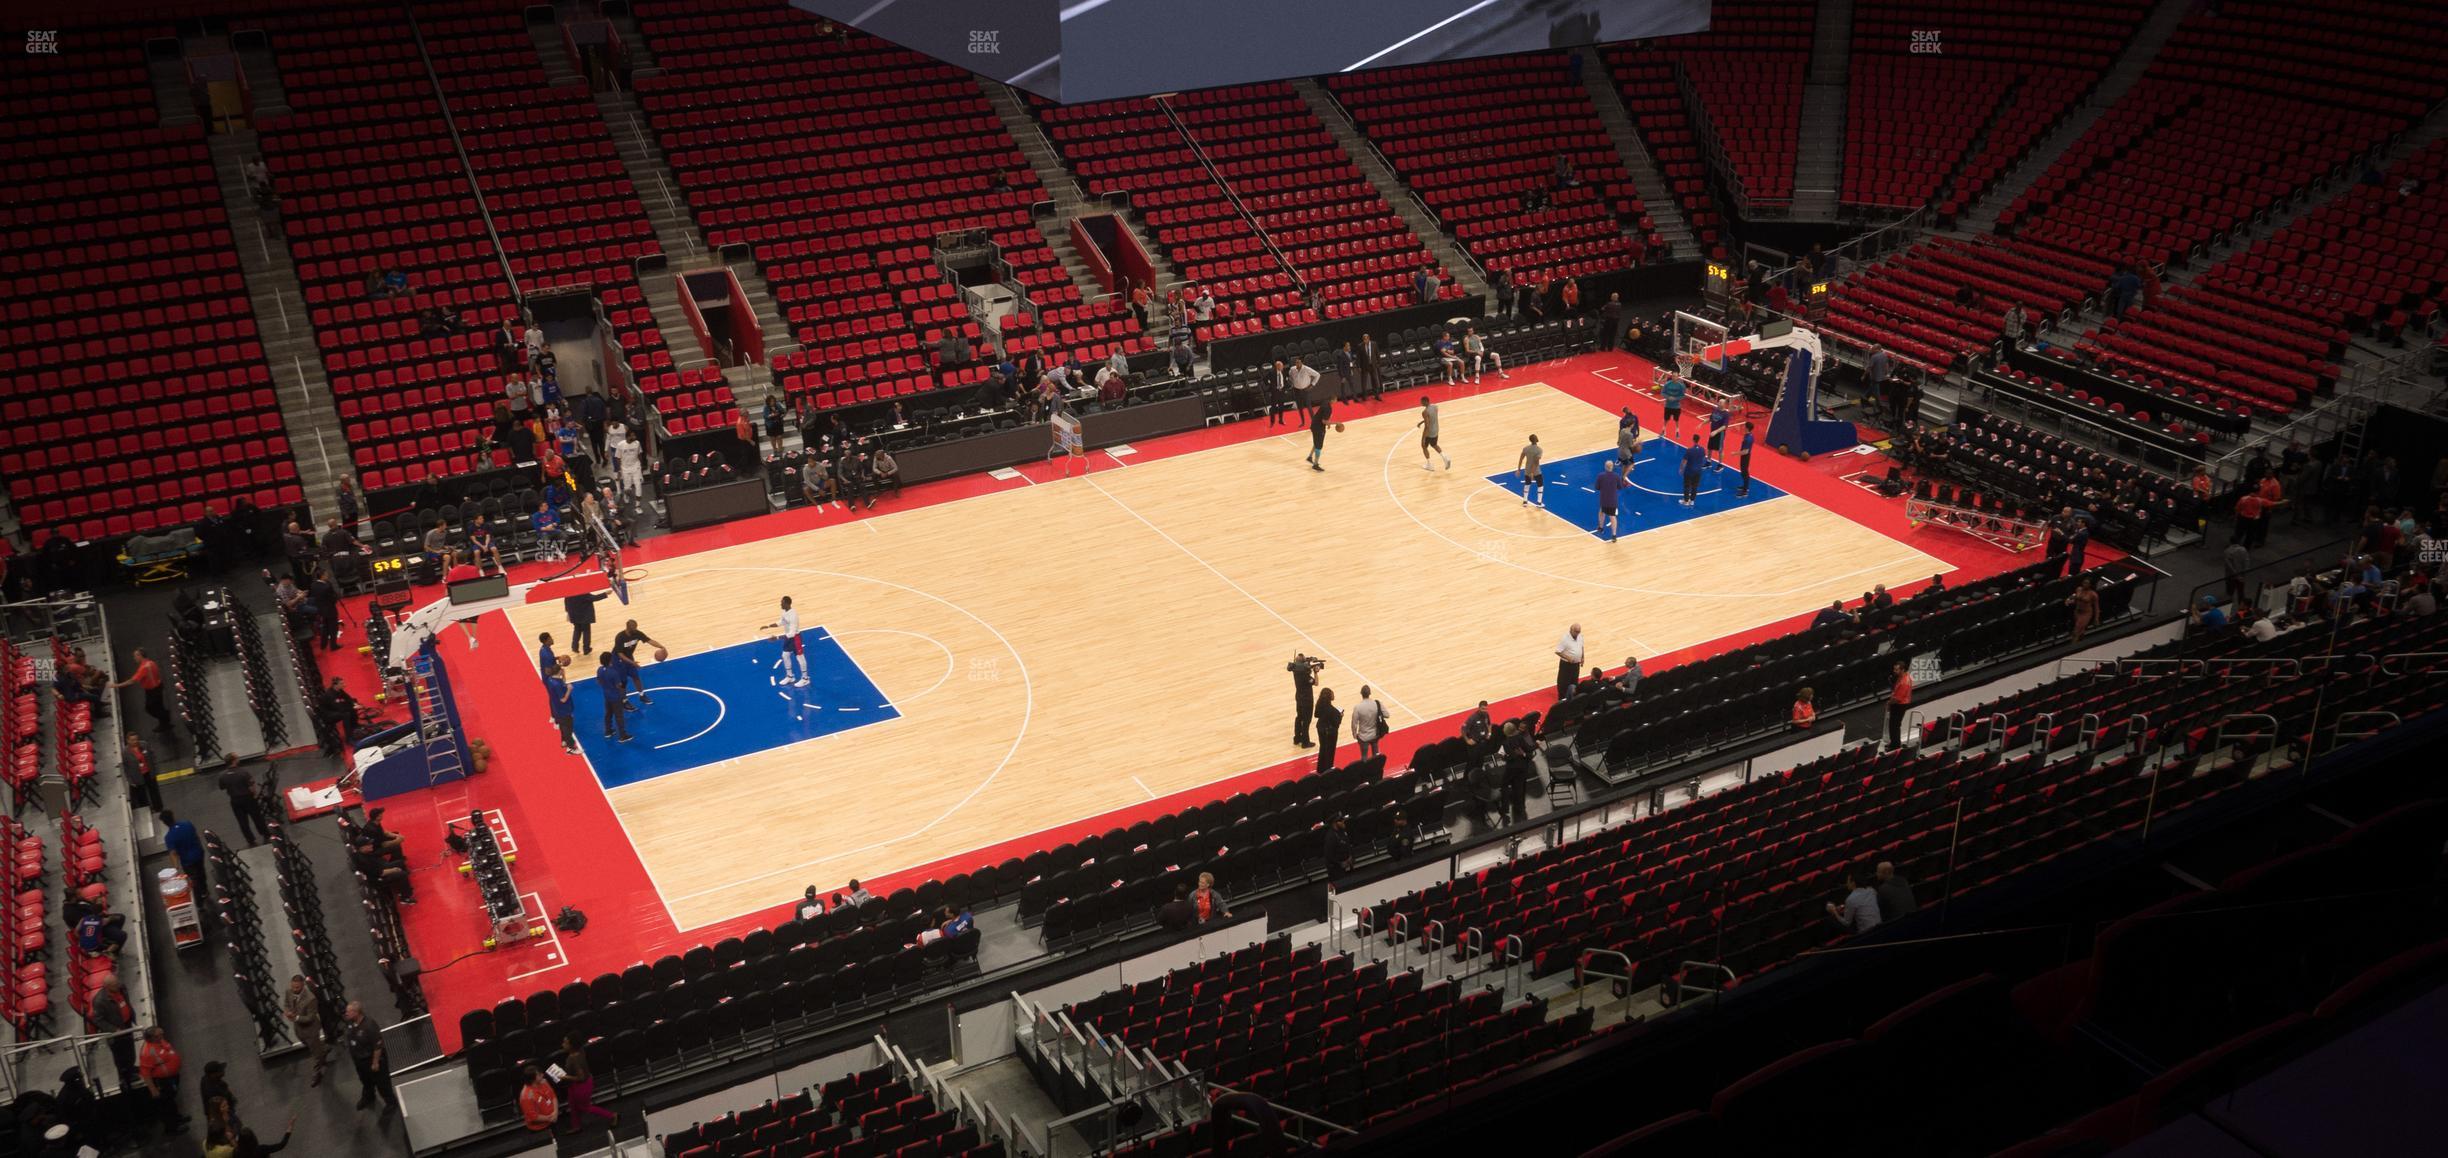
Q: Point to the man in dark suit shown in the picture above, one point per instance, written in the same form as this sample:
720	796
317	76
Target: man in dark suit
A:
581	610
1364	361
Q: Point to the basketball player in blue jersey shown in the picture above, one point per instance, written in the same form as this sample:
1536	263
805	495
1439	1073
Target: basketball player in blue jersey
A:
793	651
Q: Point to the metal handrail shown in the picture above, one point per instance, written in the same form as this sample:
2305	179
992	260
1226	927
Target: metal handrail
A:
1582	972
1515	965
1433	940
1398	931
1474	946
2338	727
1284	1109
2385	660
1251	219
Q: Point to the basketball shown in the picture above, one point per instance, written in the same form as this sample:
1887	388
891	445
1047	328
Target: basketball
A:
1338	428
661	655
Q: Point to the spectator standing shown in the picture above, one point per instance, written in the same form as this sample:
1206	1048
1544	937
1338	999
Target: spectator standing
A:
147	677
1805	709
179	836
1568	653
144	789
1899	701
1571	296
2014	323
2085	602
1520	767
1368	723
157	1066
111	1012
239	787
365	1048
1860	911
1365	362
302	1008
1329	728
1610	322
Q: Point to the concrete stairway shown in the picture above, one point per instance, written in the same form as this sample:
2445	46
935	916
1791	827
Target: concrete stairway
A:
675	227
553	53
1657	197
1071	200
262	74
1981	216
1819	156
307	409
1372	164
170	91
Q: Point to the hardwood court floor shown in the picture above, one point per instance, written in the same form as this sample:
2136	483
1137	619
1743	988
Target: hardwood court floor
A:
1062	650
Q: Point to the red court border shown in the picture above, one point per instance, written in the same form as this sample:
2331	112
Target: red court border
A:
573	850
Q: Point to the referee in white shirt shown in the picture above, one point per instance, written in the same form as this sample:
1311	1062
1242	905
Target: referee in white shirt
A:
1568	661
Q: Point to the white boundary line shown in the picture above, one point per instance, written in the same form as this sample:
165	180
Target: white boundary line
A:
721	710
1246	594
559	955
1401	439
1027	713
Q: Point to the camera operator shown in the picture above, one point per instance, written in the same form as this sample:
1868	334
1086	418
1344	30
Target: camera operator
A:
1304	671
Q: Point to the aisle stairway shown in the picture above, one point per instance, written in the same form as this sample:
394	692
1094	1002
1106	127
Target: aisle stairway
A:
1819	155
1071	200
1371	163
1657	198
307	409
1981	216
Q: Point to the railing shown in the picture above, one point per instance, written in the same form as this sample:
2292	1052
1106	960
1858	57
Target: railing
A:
1280	1108
1217	175
2362	388
1582	973
1729	182
1370	143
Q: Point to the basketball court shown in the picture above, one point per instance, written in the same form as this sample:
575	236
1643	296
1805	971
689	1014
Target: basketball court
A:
998	664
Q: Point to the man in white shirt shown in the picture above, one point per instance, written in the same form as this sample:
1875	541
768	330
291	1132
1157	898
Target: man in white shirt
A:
1301	377
1568	661
1860	912
630	458
1204	308
792	649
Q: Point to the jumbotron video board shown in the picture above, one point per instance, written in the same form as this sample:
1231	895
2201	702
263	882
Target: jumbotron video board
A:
1087	50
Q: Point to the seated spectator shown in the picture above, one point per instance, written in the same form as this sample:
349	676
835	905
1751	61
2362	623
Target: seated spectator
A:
1177	914
811	906
953	350
539	1106
389	282
859	894
433	320
1805	712
1832	615
1860	911
949	922
1895	894
885	472
98	930
481	549
547	522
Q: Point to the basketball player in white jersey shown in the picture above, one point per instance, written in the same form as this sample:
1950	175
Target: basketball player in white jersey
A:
792	649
